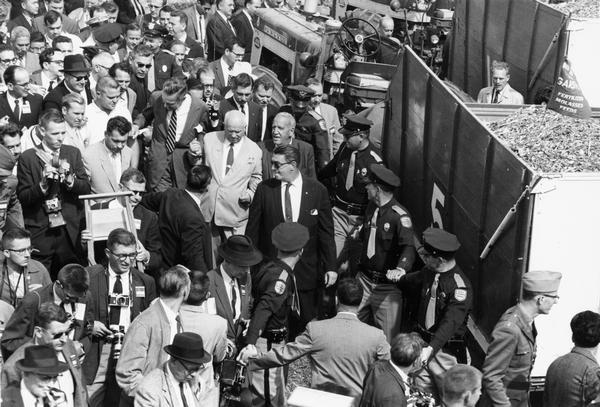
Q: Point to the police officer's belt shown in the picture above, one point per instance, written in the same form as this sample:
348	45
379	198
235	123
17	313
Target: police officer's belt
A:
375	277
275	335
427	335
350	208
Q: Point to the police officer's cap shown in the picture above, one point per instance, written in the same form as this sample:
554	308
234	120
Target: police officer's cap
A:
439	242
544	282
300	93
289	236
379	174
155	31
107	33
355	123
7	162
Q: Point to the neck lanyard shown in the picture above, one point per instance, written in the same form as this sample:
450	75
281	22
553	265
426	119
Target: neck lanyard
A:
12	293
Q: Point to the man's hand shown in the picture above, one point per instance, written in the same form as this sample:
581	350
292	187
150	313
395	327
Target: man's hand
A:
69	180
147	134
426	354
245	200
248	352
100	330
86	236
195	148
143	254
395	274
330	278
230	349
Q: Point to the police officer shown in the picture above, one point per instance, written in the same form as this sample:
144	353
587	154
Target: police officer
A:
388	244
275	293
445	297
11	213
350	167
310	126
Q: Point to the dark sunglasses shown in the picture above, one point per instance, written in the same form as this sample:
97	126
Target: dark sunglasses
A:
79	78
140	65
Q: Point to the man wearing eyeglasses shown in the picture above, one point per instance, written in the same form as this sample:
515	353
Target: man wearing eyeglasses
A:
50	75
120	293
223	67
76	71
21	107
52	328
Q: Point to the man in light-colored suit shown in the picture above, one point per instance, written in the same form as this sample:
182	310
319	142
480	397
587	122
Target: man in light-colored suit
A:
106	160
236	164
500	92
341	349
328	113
150	332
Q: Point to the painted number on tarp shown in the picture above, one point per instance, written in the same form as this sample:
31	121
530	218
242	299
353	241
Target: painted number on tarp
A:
437	203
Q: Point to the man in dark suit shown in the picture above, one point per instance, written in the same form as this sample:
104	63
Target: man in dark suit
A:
222	67
22	107
164	65
24	17
283	135
289	196
140	60
177	26
70	290
219	30
241	86
242	22
118	278
185	233
51	177
76	70
262	93
231	285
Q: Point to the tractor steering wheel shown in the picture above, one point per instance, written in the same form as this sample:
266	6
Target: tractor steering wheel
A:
354	34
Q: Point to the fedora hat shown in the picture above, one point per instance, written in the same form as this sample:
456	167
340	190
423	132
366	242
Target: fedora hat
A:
41	359
189	347
240	251
76	63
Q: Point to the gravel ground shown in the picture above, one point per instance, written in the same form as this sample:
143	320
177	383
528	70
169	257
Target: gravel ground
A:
298	375
580	8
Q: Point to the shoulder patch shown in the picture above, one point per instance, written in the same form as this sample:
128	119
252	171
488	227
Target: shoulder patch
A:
406	222
460	294
279	287
322	125
376	156
460	283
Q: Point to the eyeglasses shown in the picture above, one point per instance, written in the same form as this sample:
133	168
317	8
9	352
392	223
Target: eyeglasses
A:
60	334
124	256
78	78
25	84
554	297
58	61
105	67
68	297
140	65
138	193
8	61
22	251
194	369
277	165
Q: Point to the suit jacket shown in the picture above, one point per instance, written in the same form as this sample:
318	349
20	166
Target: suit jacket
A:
245	32
142	94
143	346
19	328
271	113
148	234
220	81
97	162
21	21
131	101
508	96
54	98
226	190
11	375
157	155
509	360
266	212
217	32
341	351
212	329
27	119
127	13
572	379
332	119
195	48
307	158
68	25
29	174
165	67
186	237
99	289
218	292
383	387
254	119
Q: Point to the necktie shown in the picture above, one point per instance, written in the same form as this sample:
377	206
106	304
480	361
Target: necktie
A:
351	167
51	85
115	312
430	313
263	122
495	98
229	162
171	132
371	242
289	217
183	400
151	79
179	324
17	111
295	299
233	299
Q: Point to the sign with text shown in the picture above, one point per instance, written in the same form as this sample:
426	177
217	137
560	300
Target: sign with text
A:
567	97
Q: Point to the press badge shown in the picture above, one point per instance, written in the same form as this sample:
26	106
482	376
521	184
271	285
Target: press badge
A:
138	224
26	108
140	291
79	311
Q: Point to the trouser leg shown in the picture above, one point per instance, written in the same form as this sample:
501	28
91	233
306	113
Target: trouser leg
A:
386	304
276	381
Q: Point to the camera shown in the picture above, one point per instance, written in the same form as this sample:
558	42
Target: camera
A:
118	333
232	376
52	205
118	300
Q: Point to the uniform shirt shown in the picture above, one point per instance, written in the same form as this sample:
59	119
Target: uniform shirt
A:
453	304
182	114
295	196
394	238
338	167
272	293
125	318
314	131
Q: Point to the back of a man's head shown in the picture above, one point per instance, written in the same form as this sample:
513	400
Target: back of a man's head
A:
198	178
461	386
199	287
349	293
50	312
586	329
405	349
175	283
74	277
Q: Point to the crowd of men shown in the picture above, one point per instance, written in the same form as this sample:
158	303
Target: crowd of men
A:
257	234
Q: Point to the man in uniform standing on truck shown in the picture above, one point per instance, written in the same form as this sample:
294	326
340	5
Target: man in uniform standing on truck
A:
350	167
507	366
310	126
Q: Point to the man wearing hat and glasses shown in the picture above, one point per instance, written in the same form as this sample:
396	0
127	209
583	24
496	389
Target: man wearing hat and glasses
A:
76	70
179	381
231	285
40	368
510	356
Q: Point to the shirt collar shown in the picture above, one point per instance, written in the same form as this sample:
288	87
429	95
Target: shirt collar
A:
112	274
12	99
195	198
297	182
403	375
226	278
171	316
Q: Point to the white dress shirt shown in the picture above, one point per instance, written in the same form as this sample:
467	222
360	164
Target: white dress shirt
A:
28	398
115	161
245	110
77	137
228	288
46	80
295	196
226	71
265	131
125	317
176	400
98	119
83	94
182	113
237	147
12	103
172	317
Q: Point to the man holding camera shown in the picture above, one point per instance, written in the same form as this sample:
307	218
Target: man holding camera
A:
50	179
120	293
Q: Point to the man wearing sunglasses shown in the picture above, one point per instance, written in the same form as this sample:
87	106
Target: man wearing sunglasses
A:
52	328
21	107
76	70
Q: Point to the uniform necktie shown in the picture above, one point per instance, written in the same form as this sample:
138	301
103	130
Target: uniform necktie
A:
295	299
229	162
183	400
151	78
17	110
430	313
289	217
371	242
171	132
233	299
351	168
495	98
115	312
179	324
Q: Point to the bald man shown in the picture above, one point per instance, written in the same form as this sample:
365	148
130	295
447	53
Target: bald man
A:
386	28
101	63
